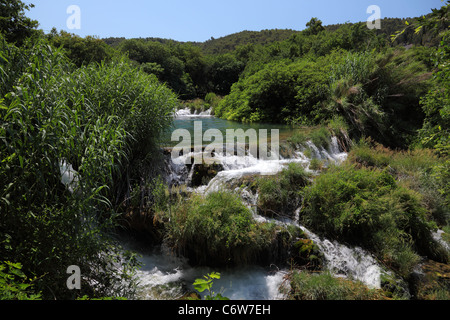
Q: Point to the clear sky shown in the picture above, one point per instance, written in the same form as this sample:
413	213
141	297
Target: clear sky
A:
199	20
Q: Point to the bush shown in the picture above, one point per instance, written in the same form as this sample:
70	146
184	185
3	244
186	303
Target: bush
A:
420	170
366	207
320	136
14	284
281	194
281	92
216	230
377	93
94	119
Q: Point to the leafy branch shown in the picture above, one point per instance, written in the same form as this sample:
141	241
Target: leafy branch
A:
206	284
438	20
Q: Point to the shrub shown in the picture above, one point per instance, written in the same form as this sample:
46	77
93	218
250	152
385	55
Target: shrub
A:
282	92
281	194
96	119
316	164
217	229
419	169
320	136
378	94
366	207
14	284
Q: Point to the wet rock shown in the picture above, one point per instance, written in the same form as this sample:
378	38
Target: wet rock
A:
202	174
307	254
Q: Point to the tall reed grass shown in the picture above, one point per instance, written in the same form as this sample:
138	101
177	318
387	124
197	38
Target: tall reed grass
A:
100	119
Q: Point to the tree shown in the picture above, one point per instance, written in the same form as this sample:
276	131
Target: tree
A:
436	104
14	25
314	26
81	51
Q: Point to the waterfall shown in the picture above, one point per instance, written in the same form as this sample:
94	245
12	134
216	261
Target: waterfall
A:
437	236
69	177
342	261
334	154
354	263
185	113
163	273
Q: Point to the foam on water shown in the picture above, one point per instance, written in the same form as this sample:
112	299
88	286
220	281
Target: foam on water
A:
186	113
354	263
166	277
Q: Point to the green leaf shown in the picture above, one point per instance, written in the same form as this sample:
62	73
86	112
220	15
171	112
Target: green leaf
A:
201	285
214	275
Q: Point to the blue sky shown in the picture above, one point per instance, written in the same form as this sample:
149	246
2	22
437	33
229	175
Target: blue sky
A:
199	20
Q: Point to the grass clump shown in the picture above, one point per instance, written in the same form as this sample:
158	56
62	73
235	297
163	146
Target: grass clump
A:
367	207
319	136
421	170
323	286
217	229
281	194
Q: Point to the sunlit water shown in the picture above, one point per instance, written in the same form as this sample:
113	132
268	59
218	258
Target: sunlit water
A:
185	120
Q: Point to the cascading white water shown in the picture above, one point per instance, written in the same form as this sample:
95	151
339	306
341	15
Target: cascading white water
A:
354	263
187	113
162	273
438	237
342	261
69	177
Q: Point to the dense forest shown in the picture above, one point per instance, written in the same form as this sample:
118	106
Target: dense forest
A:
101	106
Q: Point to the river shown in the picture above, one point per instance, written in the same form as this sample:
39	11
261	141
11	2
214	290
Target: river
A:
164	276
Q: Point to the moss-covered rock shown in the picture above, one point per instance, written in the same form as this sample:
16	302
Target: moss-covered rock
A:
281	195
203	173
324	286
307	254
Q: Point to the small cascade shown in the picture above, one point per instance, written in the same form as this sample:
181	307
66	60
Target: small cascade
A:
176	172
206	113
333	154
437	236
342	261
354	263
255	283
186	113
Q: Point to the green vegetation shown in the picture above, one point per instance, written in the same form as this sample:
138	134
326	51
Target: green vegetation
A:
279	92
81	118
367	207
95	120
419	169
206	284
280	195
81	51
218	229
14	284
14	25
323	286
